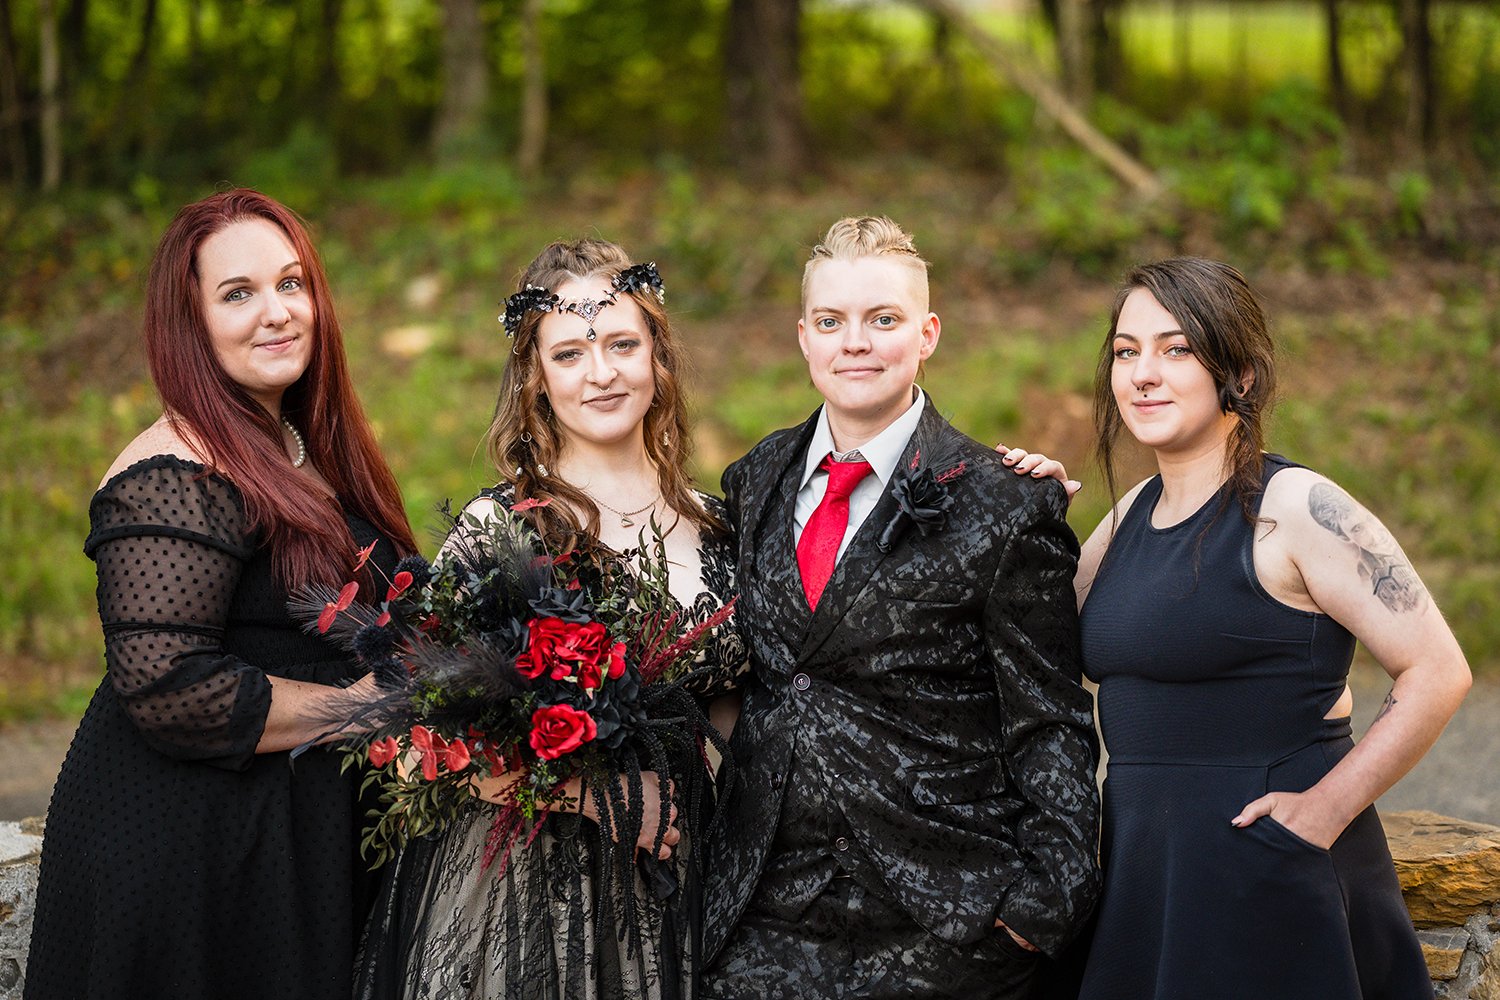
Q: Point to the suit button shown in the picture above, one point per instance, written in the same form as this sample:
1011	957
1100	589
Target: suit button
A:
841	844
776	779
801	682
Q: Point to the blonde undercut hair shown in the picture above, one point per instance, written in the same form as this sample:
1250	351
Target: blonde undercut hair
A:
863	236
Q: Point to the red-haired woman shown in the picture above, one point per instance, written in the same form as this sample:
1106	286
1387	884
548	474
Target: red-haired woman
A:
185	856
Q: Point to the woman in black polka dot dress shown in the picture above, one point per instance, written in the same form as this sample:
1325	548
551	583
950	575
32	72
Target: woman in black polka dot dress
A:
186	856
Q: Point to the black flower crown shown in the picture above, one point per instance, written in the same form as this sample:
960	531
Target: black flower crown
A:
636	279
532	298
641	277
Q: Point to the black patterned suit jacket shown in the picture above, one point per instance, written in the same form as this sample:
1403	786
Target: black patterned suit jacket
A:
937	685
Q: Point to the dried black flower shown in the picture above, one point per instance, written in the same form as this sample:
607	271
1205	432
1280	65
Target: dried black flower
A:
419	568
641	276
529	299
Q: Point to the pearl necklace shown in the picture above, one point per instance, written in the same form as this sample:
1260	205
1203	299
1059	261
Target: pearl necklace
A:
301	444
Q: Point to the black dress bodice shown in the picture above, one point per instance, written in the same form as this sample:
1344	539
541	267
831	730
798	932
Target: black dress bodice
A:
1213	693
179	863
1193	658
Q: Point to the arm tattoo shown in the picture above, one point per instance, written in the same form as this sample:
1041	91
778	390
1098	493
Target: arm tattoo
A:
1385	706
1378	557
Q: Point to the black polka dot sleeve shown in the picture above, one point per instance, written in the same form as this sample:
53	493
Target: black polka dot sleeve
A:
168	544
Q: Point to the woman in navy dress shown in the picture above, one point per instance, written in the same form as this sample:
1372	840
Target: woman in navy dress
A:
1221	601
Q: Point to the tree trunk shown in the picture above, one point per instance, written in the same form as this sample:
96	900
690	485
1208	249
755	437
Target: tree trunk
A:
1073	49
326	76
142	60
533	91
1338	87
1241	57
1182	44
1416	60
466	80
1015	67
1105	50
75	36
10	100
51	107
763	81
195	30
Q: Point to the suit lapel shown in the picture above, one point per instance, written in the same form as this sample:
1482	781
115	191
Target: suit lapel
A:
770	541
863	557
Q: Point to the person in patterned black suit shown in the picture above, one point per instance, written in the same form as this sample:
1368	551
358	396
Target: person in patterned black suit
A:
916	813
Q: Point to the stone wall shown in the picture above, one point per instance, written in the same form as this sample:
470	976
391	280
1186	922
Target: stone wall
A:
1449	871
20	847
1450	875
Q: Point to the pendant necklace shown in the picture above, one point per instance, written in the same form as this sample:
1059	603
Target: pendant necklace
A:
624	515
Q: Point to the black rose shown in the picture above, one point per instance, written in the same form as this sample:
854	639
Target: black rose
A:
617	709
921	499
569	605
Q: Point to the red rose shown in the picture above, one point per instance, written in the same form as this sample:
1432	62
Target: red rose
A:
568	650
616	661
544	635
589	677
560	729
382	752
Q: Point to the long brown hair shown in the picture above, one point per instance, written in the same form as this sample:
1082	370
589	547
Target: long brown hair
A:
303	526
525	444
1226	328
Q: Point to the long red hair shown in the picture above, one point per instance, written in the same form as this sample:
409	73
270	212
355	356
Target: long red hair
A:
303	526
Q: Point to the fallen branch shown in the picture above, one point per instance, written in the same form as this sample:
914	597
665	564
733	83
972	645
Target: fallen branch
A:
1015	65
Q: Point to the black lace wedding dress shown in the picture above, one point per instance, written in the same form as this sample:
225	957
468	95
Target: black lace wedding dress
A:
179	864
547	929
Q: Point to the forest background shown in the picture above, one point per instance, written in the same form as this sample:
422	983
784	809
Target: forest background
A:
1344	153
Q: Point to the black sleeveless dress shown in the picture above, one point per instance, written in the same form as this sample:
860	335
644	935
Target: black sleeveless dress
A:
178	863
1211	694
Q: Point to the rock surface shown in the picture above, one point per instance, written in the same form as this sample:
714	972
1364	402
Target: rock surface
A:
20	846
1449	869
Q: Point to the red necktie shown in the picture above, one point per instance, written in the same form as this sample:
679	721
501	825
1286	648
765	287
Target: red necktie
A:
818	549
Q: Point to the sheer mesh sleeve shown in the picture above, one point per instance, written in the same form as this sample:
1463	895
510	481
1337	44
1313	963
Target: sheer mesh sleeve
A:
168	549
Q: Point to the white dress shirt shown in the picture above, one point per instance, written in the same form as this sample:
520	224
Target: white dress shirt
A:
883	452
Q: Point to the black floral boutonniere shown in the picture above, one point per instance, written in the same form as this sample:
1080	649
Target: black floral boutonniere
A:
922	498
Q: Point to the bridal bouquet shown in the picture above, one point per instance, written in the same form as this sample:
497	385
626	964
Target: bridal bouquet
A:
503	660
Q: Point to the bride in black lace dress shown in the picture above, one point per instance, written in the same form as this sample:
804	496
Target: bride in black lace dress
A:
590	418
185	858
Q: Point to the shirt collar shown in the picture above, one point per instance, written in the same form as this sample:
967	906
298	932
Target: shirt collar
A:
883	451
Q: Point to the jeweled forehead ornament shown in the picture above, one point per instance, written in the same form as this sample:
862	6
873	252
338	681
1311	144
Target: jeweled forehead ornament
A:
587	310
636	279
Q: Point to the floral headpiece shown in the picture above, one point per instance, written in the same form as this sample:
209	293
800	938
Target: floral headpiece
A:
635	279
